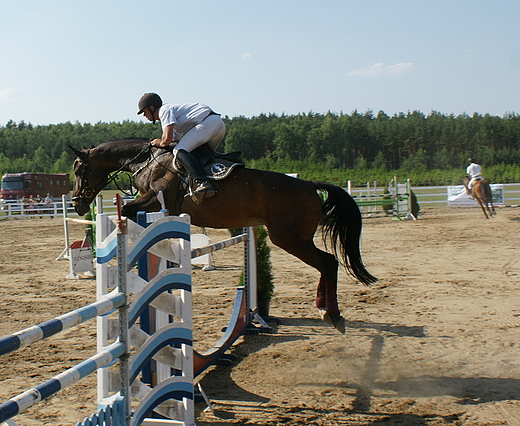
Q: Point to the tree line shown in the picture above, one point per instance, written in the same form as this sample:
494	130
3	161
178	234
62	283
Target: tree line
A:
331	146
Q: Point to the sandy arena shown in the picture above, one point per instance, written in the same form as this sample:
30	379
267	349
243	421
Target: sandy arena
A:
434	342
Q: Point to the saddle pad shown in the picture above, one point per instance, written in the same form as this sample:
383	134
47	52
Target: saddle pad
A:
220	168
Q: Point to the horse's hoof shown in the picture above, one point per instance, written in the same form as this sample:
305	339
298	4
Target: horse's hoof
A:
335	320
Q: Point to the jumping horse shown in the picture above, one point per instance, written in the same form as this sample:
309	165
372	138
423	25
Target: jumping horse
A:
290	208
481	191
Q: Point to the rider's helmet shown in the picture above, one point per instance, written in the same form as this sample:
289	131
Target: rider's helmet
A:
470	160
147	100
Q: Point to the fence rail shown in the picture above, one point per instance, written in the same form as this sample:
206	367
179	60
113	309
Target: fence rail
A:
18	210
432	196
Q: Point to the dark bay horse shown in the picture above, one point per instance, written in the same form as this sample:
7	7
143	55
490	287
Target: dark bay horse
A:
481	191
290	208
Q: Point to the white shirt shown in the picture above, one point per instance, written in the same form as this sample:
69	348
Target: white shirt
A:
183	116
474	170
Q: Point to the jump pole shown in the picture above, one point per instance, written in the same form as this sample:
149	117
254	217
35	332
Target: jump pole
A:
169	337
400	201
403	200
170	344
80	260
244	312
23	338
115	411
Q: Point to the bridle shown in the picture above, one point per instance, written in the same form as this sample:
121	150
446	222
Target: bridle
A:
83	171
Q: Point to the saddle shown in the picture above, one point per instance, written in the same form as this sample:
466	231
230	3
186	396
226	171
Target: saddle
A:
216	166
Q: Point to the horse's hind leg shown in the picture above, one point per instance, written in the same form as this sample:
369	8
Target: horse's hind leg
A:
483	207
491	207
325	263
327	290
490	213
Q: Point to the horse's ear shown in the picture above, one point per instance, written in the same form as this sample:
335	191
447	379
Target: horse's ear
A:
78	153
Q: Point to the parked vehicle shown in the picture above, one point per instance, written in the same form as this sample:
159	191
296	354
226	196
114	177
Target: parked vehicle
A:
17	185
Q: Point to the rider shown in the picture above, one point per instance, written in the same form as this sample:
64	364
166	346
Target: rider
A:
474	172
190	125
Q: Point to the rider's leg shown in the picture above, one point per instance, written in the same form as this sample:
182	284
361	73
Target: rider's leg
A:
201	188
470	184
210	131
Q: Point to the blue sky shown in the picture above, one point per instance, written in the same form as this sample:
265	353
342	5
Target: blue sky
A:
90	60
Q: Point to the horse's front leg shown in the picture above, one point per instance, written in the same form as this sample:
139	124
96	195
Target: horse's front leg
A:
147	202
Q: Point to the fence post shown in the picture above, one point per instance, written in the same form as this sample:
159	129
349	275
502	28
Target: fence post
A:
122	230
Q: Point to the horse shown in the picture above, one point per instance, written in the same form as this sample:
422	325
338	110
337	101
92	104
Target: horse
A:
481	191
291	209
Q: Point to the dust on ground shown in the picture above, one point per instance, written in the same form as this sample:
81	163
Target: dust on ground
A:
433	342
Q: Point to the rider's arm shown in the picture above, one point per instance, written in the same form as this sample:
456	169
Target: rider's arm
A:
167	137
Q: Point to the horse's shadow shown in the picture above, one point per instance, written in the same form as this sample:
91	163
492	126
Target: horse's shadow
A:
469	391
398	330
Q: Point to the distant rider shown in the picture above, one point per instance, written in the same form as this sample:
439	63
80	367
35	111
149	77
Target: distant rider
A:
474	172
190	125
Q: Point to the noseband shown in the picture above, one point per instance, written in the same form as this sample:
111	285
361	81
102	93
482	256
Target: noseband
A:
85	192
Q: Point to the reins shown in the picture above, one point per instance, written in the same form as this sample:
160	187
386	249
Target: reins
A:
114	175
153	158
87	192
139	170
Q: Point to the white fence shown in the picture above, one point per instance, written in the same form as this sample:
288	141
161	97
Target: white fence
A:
436	196
55	209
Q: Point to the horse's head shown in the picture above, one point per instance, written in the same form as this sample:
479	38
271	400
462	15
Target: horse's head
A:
88	181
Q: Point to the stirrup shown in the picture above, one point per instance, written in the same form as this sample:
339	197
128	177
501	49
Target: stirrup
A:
203	190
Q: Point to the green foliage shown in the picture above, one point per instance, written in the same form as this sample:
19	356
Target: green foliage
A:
264	268
429	149
24	148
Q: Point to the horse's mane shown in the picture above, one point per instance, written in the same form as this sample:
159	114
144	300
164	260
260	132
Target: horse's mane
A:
122	146
123	149
128	142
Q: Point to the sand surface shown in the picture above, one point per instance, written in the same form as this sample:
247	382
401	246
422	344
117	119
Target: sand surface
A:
434	342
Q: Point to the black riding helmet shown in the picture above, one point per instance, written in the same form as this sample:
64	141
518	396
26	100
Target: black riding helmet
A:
148	100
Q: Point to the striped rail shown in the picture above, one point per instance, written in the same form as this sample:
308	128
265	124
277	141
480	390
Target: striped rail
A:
171	343
46	329
33	396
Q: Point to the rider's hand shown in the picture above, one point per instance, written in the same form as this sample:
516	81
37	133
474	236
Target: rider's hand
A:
167	147
158	143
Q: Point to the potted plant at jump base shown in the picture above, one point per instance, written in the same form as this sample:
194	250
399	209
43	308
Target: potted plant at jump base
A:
264	274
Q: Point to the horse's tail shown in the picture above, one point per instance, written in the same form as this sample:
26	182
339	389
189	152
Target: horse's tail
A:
341	227
487	194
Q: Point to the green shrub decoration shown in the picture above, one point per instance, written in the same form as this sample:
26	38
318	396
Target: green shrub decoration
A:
264	267
264	271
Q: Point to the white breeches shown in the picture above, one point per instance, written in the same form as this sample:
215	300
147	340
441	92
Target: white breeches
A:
211	131
473	180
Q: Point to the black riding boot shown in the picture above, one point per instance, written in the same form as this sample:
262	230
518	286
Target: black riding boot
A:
202	188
